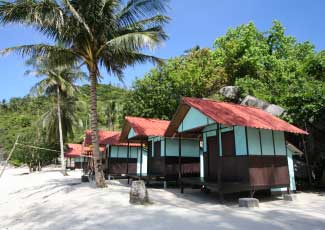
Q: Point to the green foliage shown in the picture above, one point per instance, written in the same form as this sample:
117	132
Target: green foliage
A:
22	116
275	67
106	94
157	95
58	82
269	65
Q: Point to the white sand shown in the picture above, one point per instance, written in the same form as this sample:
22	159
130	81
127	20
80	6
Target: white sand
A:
47	200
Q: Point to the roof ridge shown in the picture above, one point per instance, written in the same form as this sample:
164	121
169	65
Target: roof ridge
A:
148	118
224	102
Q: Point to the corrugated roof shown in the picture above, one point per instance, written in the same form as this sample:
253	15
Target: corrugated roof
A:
147	126
74	150
107	138
233	114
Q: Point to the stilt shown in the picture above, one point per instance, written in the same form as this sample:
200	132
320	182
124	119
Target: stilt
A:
221	197
252	192
288	190
165	184
182	187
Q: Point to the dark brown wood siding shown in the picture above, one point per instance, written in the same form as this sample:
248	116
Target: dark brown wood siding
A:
228	143
117	166
212	157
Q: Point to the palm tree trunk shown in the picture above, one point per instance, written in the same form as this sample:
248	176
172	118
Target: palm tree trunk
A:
64	171
99	174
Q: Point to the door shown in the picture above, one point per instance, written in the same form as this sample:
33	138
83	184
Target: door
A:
156	166
213	156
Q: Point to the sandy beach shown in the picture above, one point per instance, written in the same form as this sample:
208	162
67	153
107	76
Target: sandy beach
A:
48	200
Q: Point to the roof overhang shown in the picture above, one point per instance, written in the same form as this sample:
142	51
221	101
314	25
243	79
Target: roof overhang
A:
246	118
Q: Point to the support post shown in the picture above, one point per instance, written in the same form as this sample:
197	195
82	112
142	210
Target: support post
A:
260	138
165	162
247	149
108	162
127	158
219	164
141	152
180	157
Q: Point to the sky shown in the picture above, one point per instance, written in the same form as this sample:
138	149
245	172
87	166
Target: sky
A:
193	23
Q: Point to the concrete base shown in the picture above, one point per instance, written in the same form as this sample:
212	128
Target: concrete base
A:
248	202
84	178
139	193
289	197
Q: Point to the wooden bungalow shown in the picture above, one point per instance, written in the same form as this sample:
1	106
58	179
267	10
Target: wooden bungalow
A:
243	147
116	162
74	156
161	160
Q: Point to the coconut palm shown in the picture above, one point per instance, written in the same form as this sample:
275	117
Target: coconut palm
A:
58	82
105	33
112	112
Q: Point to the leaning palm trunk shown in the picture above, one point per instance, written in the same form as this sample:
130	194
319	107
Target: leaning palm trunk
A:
64	171
99	174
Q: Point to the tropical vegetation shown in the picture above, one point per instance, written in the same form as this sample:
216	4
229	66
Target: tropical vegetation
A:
269	65
107	33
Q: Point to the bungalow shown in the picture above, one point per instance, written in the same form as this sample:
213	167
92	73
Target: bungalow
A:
116	160
74	156
161	160
243	147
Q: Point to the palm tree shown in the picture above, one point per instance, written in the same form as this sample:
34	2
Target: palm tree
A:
58	81
105	33
111	112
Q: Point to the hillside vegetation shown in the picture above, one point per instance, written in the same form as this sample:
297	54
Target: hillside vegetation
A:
23	117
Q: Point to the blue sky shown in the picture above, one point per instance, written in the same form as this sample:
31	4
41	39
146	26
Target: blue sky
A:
193	23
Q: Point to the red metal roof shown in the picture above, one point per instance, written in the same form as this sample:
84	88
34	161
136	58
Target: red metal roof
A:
148	126
107	138
74	150
233	114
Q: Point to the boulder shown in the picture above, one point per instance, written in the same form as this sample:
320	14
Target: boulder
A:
139	193
255	102
248	202
231	92
267	107
275	110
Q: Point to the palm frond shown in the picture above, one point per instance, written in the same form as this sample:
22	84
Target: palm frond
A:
138	9
39	50
47	16
79	17
135	41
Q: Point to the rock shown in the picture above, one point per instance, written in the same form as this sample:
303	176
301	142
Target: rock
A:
289	197
255	102
230	92
248	202
139	193
267	107
275	110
